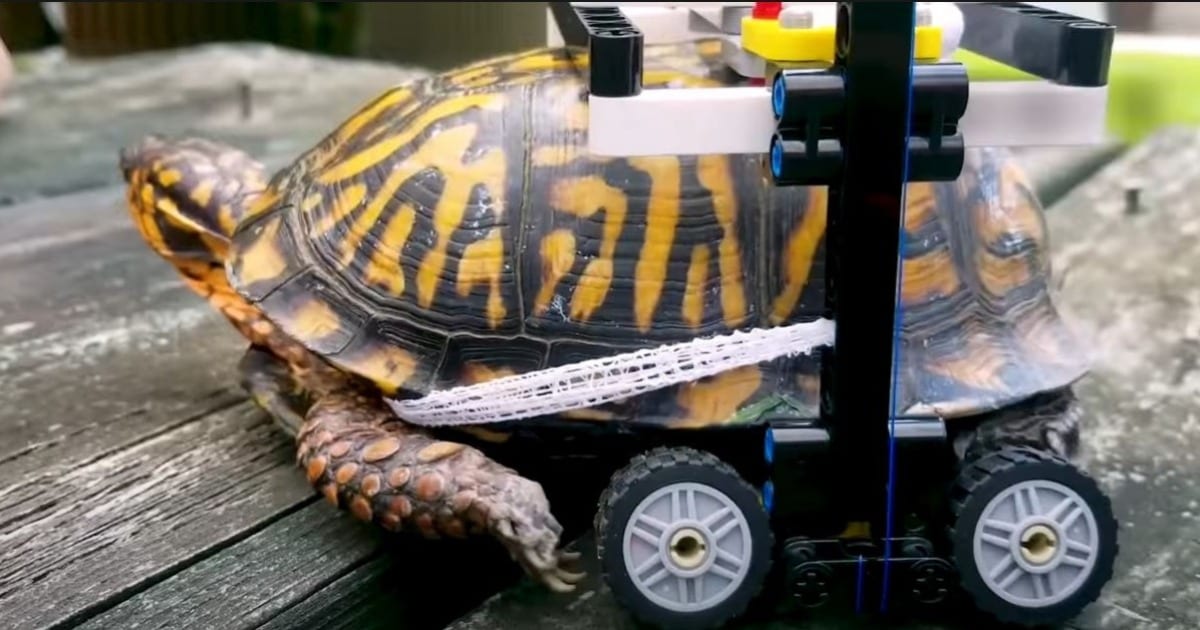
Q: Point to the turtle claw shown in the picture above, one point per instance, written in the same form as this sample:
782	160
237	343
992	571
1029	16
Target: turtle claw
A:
570	577
551	574
535	552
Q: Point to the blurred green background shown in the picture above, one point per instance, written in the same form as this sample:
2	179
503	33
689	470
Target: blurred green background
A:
432	34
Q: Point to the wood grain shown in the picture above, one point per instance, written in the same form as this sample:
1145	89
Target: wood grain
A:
100	343
251	581
116	524
317	568
138	486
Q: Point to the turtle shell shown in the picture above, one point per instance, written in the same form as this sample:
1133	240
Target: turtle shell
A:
455	229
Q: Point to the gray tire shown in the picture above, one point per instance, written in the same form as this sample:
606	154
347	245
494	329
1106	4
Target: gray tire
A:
1034	537
684	541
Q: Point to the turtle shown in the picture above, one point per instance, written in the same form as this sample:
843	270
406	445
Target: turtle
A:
455	229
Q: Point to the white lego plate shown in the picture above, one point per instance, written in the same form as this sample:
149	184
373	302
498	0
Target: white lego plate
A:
739	120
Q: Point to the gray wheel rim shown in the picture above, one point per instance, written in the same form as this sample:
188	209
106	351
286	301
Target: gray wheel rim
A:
681	576
1036	543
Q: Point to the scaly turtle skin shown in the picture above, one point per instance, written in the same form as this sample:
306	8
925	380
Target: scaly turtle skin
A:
455	230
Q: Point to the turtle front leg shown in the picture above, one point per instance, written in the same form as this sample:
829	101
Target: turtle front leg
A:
272	386
365	460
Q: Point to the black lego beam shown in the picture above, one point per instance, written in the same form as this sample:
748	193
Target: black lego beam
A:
874	52
1051	45
615	46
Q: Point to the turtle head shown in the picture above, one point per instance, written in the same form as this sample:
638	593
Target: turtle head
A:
186	196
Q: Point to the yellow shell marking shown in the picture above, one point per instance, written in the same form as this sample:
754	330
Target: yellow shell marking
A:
662	217
383	149
142	205
226	220
715	400
311	202
920	206
584	197
388	367
333	147
799	253
262	203
262	260
978	364
384	268
713	172
999	274
474	372
444	152
540	63
313	320
169	177
367	220
697	278
483	261
345	203
202	193
364	116
929	276
557	255
474	77
561	155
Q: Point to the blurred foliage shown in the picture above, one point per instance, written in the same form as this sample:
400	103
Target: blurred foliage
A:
1146	90
1149	91
23	26
110	28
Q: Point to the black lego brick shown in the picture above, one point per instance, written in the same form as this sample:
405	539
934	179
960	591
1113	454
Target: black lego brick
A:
1052	45
615	47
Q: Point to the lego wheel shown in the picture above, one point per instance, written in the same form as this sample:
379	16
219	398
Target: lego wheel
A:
683	540
1034	538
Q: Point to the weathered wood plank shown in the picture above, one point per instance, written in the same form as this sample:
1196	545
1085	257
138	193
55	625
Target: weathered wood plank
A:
112	526
119	470
63	119
318	568
112	470
1132	284
415	586
252	581
116	475
100	342
365	598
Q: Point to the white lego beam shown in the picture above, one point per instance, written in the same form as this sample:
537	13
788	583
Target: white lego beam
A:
697	121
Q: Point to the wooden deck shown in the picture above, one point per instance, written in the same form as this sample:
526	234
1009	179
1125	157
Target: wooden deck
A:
139	488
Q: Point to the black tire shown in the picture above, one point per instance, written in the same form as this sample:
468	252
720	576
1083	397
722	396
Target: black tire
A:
987	477
644	475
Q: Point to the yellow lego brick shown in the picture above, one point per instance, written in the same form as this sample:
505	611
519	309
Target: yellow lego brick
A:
927	42
768	40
